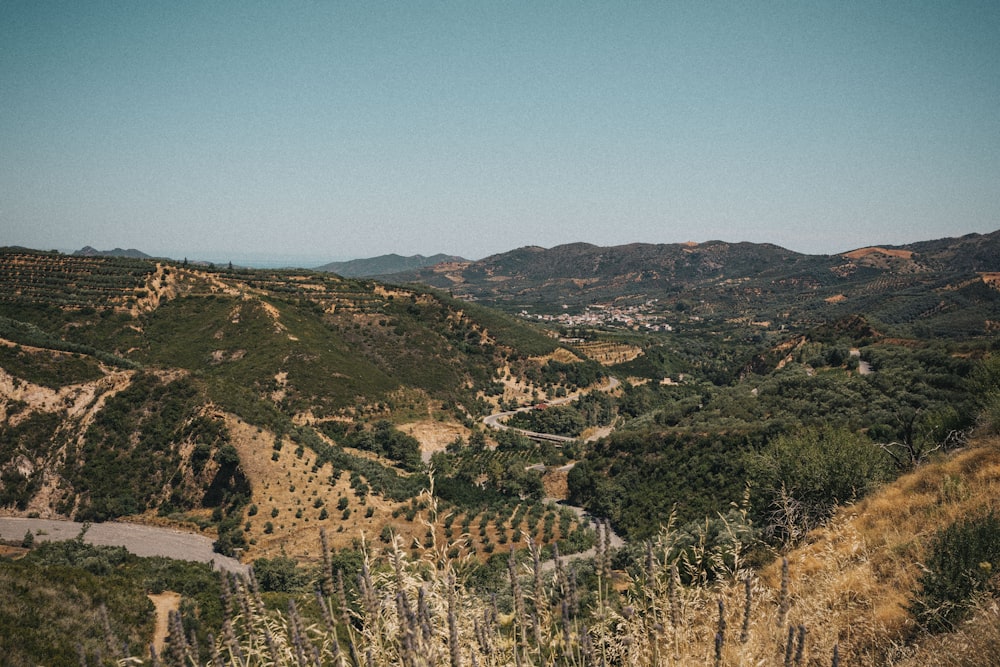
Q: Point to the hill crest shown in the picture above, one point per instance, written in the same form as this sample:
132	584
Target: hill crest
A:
385	265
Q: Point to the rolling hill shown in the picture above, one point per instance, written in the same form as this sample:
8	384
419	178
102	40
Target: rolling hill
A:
384	265
132	387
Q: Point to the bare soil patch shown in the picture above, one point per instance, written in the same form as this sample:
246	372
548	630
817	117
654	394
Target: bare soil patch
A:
991	279
608	354
554	483
164	603
434	436
874	250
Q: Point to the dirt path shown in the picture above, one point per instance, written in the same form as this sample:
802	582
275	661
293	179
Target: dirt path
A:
864	368
164	602
615	541
140	540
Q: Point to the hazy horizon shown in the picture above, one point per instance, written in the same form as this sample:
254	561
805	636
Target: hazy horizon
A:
263	260
353	130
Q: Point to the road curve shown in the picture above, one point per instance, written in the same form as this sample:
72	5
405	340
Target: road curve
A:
138	539
496	420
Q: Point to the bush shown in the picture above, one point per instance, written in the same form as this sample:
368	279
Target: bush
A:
280	575
963	559
797	480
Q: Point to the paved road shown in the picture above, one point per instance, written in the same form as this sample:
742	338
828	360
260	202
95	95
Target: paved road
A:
615	542
140	540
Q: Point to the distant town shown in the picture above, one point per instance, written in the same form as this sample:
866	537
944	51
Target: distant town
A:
599	315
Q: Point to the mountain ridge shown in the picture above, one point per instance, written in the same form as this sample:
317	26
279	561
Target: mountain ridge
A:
753	281
264	407
131	253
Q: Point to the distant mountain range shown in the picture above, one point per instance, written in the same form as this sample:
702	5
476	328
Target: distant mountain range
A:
87	251
385	265
949	285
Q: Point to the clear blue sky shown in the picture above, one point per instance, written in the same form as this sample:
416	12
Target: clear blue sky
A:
334	130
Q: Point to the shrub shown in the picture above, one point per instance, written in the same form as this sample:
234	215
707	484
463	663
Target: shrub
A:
281	574
798	479
963	558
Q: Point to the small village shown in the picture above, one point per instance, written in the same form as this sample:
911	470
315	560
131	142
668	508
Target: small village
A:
608	316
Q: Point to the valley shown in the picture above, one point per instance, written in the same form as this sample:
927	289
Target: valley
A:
549	463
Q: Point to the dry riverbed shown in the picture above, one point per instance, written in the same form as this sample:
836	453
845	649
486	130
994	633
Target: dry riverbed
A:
138	539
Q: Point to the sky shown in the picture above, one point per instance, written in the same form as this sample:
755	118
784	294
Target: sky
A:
328	130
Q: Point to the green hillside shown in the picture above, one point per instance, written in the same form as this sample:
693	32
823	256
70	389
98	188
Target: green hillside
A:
123	372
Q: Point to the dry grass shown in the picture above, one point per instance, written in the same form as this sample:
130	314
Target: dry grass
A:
844	591
290	486
856	576
977	642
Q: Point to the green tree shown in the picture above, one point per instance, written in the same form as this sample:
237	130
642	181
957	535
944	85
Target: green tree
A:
963	560
280	575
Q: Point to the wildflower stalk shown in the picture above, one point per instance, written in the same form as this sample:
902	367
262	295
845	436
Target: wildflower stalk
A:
345	619
783	602
747	603
720	633
800	646
114	650
331	626
454	648
519	625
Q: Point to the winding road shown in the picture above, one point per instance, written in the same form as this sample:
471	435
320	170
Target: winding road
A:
496	422
147	541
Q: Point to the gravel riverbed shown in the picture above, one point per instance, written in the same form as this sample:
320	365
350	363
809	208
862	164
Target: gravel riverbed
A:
138	539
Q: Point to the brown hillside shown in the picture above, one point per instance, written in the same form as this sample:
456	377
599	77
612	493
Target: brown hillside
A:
991	279
851	582
864	252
